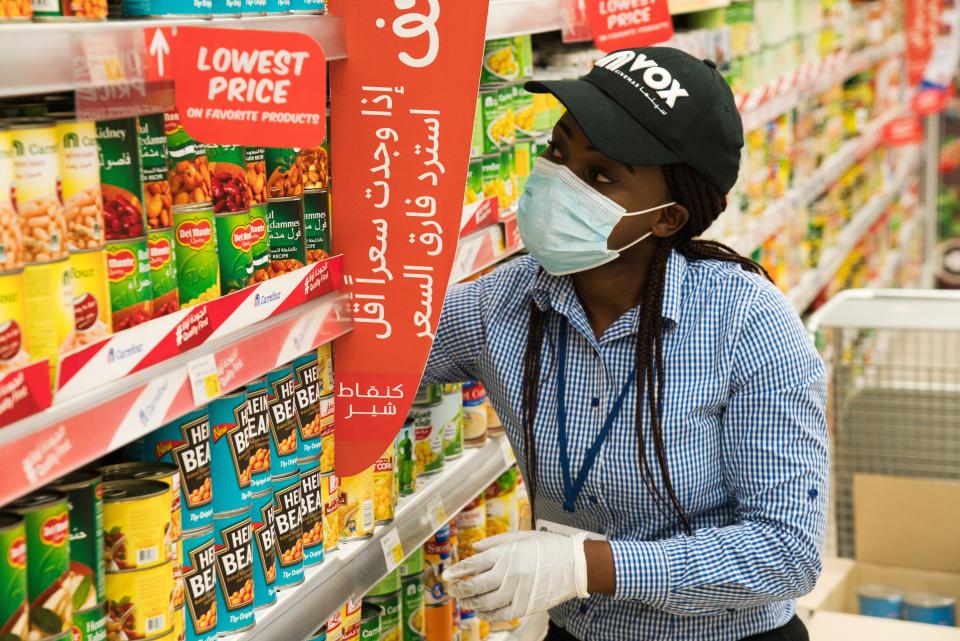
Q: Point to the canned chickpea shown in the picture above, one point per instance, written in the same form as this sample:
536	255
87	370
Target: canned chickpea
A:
80	183
195	249
137	525
36	166
13	352
139	602
330	497
11	241
121	179
165	472
200	579
128	274
189	171
311	495
307	399
356	506
258	428
230	453
233	535
264	550
284	422
288	518
48	304
163	272
384	479
91	298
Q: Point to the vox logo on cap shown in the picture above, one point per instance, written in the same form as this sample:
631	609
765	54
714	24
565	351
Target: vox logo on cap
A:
652	75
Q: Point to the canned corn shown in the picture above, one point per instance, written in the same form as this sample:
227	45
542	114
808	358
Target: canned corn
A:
356	506
412	607
233	536
140	602
230	453
428	428
384	481
200	579
330	497
370	621
327	434
195	250
264	550
136	523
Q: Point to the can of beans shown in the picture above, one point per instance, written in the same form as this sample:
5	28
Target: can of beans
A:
452	403
428	428
91	298
185	442
330	497
503	511
200	579
285	233
230	453
314	161
234	250
13	327
311	494
284	422
152	141
90	624
189	170
195	249
14	617
140	602
288	515
165	472
316	224
356	506
48	305
285	176
264	550
260	244
258	428
11	239
128	276
233	540
307	399
407	458
36	166
370	621
163	272
84	490
384	481
167	9
120	179
412	607
80	184
136	524
325	369
228	175
255	162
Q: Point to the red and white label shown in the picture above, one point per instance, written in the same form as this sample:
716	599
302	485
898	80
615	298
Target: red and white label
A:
160	252
929	101
621	24
905	130
56	530
17	554
120	264
11	339
194	234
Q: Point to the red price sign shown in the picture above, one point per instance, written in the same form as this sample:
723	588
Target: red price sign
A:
929	101
921	29
906	130
620	24
258	88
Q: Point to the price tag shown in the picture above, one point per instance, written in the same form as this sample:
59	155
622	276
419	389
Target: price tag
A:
436	512
204	380
507	451
392	549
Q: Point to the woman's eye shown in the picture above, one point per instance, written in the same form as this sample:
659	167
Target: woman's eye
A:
552	150
599	176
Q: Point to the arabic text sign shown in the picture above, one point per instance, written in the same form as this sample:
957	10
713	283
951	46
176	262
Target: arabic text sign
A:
921	29
619	24
401	149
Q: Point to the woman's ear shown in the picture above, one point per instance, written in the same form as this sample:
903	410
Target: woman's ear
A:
670	220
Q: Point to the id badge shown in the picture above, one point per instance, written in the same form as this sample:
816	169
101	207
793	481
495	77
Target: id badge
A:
544	525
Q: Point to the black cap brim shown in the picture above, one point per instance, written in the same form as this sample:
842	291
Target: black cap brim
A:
611	129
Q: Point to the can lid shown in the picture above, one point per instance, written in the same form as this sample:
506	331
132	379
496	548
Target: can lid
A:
8	519
76	479
198	533
308	464
193	208
137	470
370	611
122	490
35	500
877	591
28	122
928	600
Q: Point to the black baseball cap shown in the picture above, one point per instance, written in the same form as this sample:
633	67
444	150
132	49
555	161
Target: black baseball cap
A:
657	106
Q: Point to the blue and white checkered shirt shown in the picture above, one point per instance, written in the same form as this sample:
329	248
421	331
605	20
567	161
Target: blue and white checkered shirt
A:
744	431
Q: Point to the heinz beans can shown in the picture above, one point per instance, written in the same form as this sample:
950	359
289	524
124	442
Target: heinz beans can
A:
200	579
288	515
284	422
230	453
233	537
264	550
311	496
258	427
307	397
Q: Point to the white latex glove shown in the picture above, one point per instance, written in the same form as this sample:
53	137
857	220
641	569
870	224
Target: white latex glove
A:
519	573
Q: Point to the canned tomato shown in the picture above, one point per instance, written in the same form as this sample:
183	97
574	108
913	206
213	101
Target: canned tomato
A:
189	171
228	176
230	453
91	298
502	512
384	481
140	602
90	624
285	233
311	495
48	304
474	414
36	165
14	618
195	249
330	497
200	580
234	245
350	613
120	179
285	177
165	472
471	526
136	524
185	442
254	160
325	369
412	607
288	515
128	274
152	141
233	536
307	399
436	559
452	402
258	428
356	505
316	225
11	239
264	550
428	429
260	244
80	184
406	458
370	621
163	272
13	352
84	490
284	422
438	621
390	616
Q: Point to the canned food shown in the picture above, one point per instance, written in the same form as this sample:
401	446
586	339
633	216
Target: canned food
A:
17	11
11	239
436	559
522	163
387	585
90	624
179	632
474	190
234	245
494	426
264	550
284	171
356	506
14	616
925	607
384	481
471	526
325	369
195	249
428	429
311	493
474	414
91	298
316	224
327	434
428	394
390	616
228	173
258	428
139	602
36	165
307	400
260	243
284	422
494	121
335	626
285	233
499	61
13	328
452	401
189	171
200	578
502	513
413	564
163	272
128	274
278	6
230	453
407	458
438	618
288	515
166	473
48	304
351	614
167	9
469	626
80	184
412	607
120	179
157	201
185	442
233	536
490	177
137	525
370	620
178	586
84	490
255	162
330	497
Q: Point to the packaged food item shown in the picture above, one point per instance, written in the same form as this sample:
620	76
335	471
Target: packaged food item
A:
152	143
90	624
335	626
350	613
469	626
284	422
436	559
285	177
200	577
189	170
264	550
316	225
257	416
476	138
438	618
523	157
178	588
499	61
307	398
139	602
163	271
314	161
471	525
256	167
228	174
233	535
327	434
166	473
495	121
503	513
259	242
91	298
288	517
235	250
285	233
36	167
167	9
195	250
128	274
474	414
120	179
452	403
330	497
14	615
509	180
370	621
11	239
428	428
230	453
179	630
523	48
311	496
80	184
48	304
407	458
137	524
356	506
384	481
926	607
388	596
474	191
494	426
16	11
84	491
13	353
226	8
413	609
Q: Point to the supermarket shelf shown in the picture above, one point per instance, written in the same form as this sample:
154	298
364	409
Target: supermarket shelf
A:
481	266
514	17
533	628
357	566
55	45
895	260
60	439
690	6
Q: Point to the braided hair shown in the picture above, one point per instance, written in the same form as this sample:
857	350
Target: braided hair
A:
704	203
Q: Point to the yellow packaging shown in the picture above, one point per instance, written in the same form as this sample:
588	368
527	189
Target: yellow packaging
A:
11	243
136	526
13	353
36	165
179	587
179	625
48	304
80	184
356	505
327	443
325	368
384	486
350	616
91	298
471	526
330	497
140	602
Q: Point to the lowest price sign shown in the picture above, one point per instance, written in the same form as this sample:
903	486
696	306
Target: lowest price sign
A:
620	24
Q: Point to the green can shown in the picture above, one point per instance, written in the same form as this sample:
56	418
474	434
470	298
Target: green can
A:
234	248
499	61
47	526
90	624
388	585
163	272
508	176
491	113
195	250
452	403
128	272
523	47
507	123
316	224
13	576
523	157
120	179
260	249
84	490
428	394
474	191
370	619
228	178
152	143
284	175
189	171
412	608
476	138
391	615
490	175
285	232
413	564
407	459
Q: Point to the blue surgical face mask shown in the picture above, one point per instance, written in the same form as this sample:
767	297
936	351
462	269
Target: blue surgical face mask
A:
565	223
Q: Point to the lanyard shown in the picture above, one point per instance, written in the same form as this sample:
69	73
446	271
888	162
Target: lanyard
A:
572	490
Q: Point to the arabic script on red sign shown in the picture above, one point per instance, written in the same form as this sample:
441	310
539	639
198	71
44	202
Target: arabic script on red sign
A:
906	130
401	144
921	29
257	88
620	24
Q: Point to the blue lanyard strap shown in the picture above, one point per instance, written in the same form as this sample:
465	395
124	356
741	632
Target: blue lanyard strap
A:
571	490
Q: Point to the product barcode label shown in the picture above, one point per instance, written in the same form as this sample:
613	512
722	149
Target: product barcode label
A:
157	624
148	555
368	515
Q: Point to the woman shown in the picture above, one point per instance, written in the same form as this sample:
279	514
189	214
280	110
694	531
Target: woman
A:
665	403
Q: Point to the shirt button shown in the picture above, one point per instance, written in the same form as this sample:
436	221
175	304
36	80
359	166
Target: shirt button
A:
595	402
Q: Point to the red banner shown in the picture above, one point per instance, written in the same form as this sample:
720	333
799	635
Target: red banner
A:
401	143
929	101
620	24
922	28
905	130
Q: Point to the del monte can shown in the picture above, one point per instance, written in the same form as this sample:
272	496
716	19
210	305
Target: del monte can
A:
195	248
13	576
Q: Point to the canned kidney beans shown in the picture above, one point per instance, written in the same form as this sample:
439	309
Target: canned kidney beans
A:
120	178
